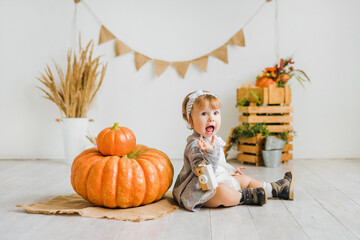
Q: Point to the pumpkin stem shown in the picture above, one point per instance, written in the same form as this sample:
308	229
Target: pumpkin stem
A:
115	127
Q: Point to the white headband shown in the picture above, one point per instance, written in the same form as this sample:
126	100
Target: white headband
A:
192	98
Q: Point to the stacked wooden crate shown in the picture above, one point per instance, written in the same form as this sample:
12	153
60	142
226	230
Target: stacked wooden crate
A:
274	111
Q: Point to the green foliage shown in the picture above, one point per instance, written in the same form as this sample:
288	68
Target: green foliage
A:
300	75
242	102
248	131
258	102
280	84
245	102
283	135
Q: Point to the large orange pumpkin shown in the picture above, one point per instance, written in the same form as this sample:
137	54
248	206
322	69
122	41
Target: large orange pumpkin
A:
141	177
116	140
265	82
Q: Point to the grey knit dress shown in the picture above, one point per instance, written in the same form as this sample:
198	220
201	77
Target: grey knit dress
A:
186	190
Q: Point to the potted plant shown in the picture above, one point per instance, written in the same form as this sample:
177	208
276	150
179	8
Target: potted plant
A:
73	94
246	131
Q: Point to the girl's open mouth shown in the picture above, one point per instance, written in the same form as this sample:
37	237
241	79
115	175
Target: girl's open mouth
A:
210	129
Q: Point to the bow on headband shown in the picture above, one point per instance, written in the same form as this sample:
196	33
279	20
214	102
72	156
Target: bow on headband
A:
192	98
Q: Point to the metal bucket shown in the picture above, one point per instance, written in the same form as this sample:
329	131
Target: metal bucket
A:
272	158
273	143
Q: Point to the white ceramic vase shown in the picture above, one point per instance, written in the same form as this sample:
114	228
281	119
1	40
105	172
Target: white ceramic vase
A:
74	137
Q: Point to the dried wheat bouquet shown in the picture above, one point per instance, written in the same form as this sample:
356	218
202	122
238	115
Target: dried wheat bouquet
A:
78	87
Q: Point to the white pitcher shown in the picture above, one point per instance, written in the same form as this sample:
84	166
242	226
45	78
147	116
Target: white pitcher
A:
74	137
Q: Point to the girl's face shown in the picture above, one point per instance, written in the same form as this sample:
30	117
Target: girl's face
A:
205	121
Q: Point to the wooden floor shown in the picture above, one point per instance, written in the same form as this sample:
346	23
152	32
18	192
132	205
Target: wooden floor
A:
326	206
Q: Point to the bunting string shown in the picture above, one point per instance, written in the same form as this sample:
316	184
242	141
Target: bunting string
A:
277	34
255	13
74	28
221	53
91	11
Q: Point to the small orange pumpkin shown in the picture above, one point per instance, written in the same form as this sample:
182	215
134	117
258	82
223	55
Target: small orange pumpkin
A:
265	82
285	77
116	141
140	178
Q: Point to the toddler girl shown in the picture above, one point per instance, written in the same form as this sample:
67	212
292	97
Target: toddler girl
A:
201	110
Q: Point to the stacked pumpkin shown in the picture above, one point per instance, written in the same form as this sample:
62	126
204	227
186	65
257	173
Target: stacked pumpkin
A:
119	173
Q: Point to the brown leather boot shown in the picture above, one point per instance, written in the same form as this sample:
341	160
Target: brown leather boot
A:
284	188
253	196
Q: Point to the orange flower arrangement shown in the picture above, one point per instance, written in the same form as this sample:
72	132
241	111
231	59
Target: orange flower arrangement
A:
280	74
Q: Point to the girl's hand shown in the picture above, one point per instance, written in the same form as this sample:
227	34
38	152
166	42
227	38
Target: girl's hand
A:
239	171
205	145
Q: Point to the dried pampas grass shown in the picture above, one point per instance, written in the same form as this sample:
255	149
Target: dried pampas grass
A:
80	84
92	139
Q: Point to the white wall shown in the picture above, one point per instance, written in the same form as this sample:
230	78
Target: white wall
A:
324	35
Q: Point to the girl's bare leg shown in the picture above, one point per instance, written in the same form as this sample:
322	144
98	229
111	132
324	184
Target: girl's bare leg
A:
247	182
224	196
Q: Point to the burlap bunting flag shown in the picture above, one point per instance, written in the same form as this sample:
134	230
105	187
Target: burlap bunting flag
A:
201	63
140	60
238	39
221	53
160	67
105	35
121	48
181	67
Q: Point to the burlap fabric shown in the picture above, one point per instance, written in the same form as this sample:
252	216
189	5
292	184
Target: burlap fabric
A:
76	205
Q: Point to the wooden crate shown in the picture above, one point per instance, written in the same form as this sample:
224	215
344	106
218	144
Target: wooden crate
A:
250	150
269	95
274	111
277	118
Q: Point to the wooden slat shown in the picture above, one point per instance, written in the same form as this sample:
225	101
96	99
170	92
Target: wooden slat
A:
249	149
259	139
319	215
287	95
188	225
253	140
227	147
230	223
290	138
277	225
266	119
288	147
286	156
347	172
267	109
276	95
279	128
255	149
247	158
258	159
265	99
330	194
